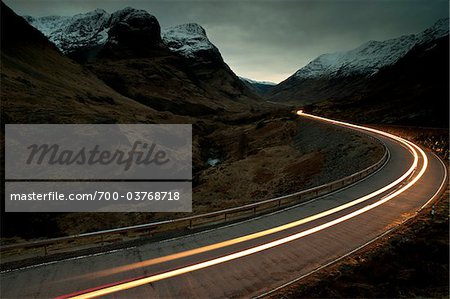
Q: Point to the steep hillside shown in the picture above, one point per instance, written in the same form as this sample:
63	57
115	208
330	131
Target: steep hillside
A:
415	91
371	57
71	33
41	85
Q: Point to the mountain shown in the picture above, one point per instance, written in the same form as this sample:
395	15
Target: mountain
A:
175	69
369	58
41	85
90	30
190	41
71	33
368	82
414	91
259	87
83	36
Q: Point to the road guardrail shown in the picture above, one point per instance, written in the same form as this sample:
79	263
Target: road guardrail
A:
100	238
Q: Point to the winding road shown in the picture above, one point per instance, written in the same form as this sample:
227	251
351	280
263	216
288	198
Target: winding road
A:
252	257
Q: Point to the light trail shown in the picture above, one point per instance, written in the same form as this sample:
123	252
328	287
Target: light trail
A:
101	291
234	241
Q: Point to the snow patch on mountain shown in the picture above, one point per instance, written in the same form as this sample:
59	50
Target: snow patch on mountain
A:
187	39
370	57
127	14
92	29
85	29
257	82
71	33
438	30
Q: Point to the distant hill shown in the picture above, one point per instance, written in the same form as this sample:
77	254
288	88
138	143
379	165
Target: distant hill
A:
259	87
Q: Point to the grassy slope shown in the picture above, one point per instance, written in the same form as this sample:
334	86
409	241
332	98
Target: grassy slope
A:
41	85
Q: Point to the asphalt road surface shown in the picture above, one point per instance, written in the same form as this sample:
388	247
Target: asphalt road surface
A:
249	258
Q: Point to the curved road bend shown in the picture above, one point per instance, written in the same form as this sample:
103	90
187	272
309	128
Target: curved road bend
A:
252	257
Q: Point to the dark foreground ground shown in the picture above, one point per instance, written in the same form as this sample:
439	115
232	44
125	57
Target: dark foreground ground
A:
411	262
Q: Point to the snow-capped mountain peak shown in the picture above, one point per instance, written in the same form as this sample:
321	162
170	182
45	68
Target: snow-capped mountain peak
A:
251	81
134	28
95	28
187	39
370	57
95	12
438	30
70	33
89	29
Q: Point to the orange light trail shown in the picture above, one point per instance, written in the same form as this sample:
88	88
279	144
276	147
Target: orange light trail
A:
209	263
234	241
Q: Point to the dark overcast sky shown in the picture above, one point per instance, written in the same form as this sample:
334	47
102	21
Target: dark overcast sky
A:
270	40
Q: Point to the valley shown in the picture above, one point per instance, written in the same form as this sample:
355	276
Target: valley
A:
337	118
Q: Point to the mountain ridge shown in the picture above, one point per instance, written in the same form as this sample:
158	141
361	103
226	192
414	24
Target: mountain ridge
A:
189	40
92	30
258	87
411	88
370	57
175	69
41	85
